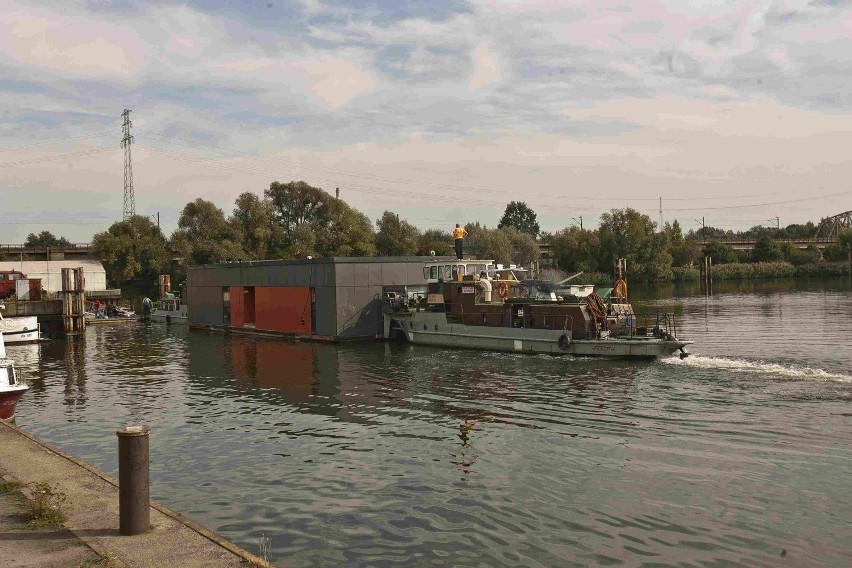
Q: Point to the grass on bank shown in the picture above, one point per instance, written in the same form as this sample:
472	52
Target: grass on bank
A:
45	507
101	561
763	270
10	487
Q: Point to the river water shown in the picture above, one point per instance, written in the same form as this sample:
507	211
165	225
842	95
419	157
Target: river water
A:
376	455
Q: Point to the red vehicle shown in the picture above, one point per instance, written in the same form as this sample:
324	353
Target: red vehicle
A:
7	282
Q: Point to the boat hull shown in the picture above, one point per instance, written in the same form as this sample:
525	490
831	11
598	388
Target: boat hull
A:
169	318
20	329
426	328
178	316
9	400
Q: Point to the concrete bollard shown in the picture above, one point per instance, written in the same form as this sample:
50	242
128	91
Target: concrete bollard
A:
134	497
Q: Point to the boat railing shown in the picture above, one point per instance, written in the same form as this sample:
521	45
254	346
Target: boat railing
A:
659	324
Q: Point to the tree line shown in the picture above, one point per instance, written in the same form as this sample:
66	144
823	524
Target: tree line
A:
297	220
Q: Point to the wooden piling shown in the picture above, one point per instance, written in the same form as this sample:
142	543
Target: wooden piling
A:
707	276
165	284
73	300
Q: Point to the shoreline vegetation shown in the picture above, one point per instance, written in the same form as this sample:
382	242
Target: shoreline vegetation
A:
296	220
741	271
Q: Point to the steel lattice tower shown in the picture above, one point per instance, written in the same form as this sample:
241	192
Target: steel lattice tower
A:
126	141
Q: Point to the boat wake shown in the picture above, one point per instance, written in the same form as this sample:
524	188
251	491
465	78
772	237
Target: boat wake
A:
759	367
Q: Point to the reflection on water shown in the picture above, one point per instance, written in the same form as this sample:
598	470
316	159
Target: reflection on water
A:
372	454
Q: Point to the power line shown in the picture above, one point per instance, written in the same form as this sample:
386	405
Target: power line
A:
277	161
369	189
67	156
811	198
62	141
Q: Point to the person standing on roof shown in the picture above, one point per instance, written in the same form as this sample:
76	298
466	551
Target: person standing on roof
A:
459	234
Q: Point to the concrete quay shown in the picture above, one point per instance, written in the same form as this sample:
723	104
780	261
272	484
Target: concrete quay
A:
90	536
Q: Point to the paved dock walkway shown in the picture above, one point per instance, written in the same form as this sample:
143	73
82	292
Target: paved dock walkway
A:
90	535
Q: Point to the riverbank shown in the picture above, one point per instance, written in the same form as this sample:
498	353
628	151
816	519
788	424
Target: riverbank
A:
740	271
90	505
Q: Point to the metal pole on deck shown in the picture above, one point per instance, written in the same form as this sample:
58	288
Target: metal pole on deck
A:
134	497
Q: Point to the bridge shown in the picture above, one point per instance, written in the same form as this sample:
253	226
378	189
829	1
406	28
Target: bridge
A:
63	252
747	243
832	226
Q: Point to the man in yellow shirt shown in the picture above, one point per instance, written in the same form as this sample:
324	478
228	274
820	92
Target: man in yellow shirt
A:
459	234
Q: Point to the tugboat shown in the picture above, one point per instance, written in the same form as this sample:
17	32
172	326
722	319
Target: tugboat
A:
12	388
456	307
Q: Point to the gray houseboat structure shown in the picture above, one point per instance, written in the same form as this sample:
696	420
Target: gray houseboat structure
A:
322	298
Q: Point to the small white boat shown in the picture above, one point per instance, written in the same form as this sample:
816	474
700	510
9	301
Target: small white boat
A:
169	310
12	387
19	329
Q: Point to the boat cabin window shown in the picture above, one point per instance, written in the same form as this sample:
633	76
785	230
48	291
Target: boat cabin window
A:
448	271
460	269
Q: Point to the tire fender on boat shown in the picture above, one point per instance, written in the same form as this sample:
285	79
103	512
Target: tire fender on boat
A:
564	341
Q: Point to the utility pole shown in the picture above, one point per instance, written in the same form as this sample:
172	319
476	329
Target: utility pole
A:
660	228
580	219
703	230
126	141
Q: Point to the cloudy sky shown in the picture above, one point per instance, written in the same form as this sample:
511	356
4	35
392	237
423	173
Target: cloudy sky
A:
441	110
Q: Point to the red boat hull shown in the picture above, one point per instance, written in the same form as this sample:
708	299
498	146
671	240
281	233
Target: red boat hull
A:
8	402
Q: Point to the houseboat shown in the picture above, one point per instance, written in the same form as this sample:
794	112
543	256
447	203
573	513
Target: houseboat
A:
477	305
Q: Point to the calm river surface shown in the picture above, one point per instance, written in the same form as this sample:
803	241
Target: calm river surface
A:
377	455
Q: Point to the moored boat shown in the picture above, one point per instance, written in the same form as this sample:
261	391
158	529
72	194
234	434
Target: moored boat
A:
457	307
12	387
169	310
20	329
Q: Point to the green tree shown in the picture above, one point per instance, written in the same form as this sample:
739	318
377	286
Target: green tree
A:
766	250
343	231
489	244
576	250
626	233
133	251
720	253
396	237
46	239
521	217
253	216
505	246
840	250
337	229
204	236
687	253
525	250
441	242
293	204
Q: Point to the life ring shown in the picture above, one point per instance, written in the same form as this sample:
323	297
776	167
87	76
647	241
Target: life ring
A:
564	341
620	289
503	289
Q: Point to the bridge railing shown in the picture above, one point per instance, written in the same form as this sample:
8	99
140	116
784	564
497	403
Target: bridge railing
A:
22	248
753	240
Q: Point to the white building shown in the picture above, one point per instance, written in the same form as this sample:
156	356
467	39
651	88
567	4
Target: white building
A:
50	272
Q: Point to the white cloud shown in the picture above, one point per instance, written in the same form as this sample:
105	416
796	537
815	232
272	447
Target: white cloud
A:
334	81
486	67
39	38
